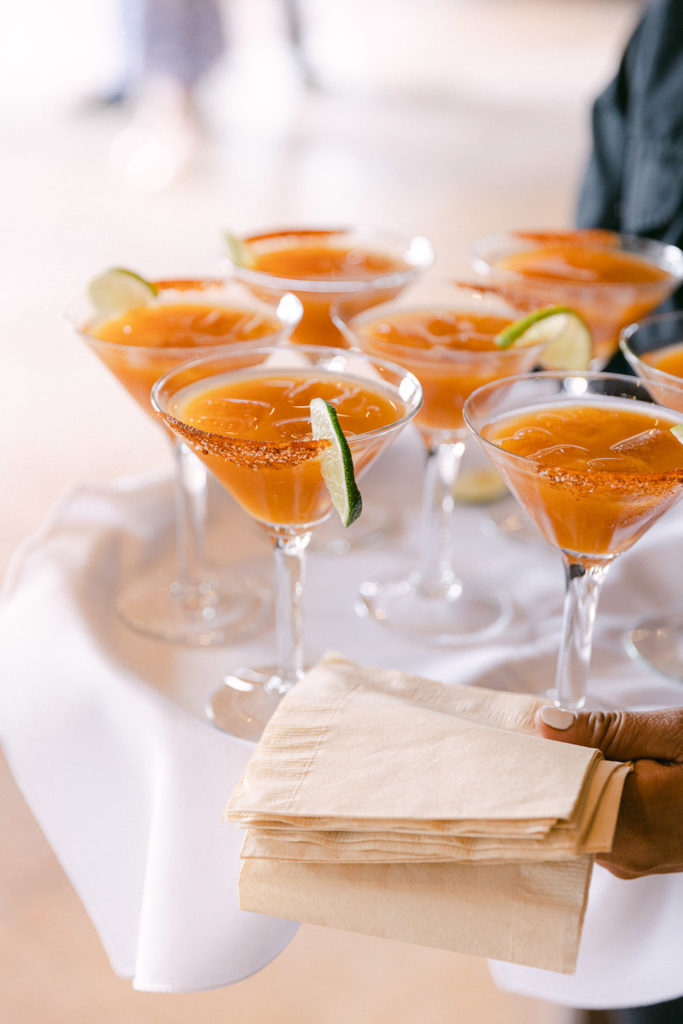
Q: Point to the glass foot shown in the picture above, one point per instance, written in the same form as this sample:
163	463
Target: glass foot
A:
245	702
458	614
659	642
375	524
230	606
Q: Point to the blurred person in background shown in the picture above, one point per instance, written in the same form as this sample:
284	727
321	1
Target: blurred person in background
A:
634	179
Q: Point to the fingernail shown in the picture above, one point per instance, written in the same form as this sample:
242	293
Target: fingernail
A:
557	718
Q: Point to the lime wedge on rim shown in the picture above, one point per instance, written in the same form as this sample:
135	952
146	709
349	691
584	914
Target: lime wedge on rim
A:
564	334
238	250
336	464
117	290
677	432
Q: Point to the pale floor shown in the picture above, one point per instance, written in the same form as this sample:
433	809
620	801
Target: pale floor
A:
447	117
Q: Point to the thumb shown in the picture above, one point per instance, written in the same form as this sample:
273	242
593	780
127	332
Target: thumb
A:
620	735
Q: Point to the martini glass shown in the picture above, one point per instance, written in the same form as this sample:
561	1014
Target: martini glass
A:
322	266
592	458
445	336
654	349
191	603
610	279
246	415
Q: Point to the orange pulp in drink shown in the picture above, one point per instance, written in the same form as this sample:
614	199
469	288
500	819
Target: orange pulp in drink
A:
593	475
253	431
147	341
318	256
608	286
451	352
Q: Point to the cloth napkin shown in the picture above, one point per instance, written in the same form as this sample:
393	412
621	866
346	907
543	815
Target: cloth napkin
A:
387	803
107	739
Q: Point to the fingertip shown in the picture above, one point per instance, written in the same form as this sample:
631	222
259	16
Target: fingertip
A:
555	717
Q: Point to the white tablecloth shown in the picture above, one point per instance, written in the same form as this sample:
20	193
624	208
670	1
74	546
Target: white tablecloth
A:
105	733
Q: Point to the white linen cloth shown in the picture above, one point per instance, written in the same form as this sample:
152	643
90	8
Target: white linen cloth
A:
105	732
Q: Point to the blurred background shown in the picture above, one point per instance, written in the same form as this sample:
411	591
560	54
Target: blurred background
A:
449	118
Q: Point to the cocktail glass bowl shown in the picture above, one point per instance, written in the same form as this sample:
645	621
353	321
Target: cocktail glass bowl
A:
654	349
264	455
592	497
377	265
193	602
606	305
444	335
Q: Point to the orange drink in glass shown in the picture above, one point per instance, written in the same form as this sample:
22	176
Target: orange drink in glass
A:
246	414
191	603
446	337
361	266
594	462
610	279
654	349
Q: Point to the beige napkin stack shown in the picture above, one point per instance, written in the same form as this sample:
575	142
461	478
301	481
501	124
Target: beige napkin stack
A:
385	803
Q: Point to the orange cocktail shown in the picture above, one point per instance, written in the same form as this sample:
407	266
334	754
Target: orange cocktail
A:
323	267
247	415
654	349
190	317
594	477
451	350
594	461
188	602
610	279
446	337
261	447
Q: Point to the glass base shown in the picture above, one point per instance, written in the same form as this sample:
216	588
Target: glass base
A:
460	613
374	525
659	642
232	605
246	701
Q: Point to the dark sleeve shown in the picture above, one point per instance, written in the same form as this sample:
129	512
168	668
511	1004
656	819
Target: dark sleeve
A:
634	179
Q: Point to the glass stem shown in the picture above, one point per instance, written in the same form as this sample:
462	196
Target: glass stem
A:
583	586
441	471
289	622
190	491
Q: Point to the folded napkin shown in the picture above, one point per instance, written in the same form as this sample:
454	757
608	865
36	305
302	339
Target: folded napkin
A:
385	803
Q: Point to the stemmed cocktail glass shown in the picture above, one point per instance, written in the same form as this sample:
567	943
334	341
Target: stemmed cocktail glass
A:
654	348
610	279
246	414
191	603
358	265
322	266
593	460
446	336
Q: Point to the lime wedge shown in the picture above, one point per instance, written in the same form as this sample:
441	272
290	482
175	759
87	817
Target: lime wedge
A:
239	251
336	464
564	334
117	290
677	432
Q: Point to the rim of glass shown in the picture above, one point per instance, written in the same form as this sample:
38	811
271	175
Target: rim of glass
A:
669	257
349	328
80	303
634	383
421	260
237	351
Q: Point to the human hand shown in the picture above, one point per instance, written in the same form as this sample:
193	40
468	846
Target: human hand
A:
649	835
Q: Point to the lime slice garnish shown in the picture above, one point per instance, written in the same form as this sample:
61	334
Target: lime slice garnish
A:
336	464
117	290
564	334
677	432
239	250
